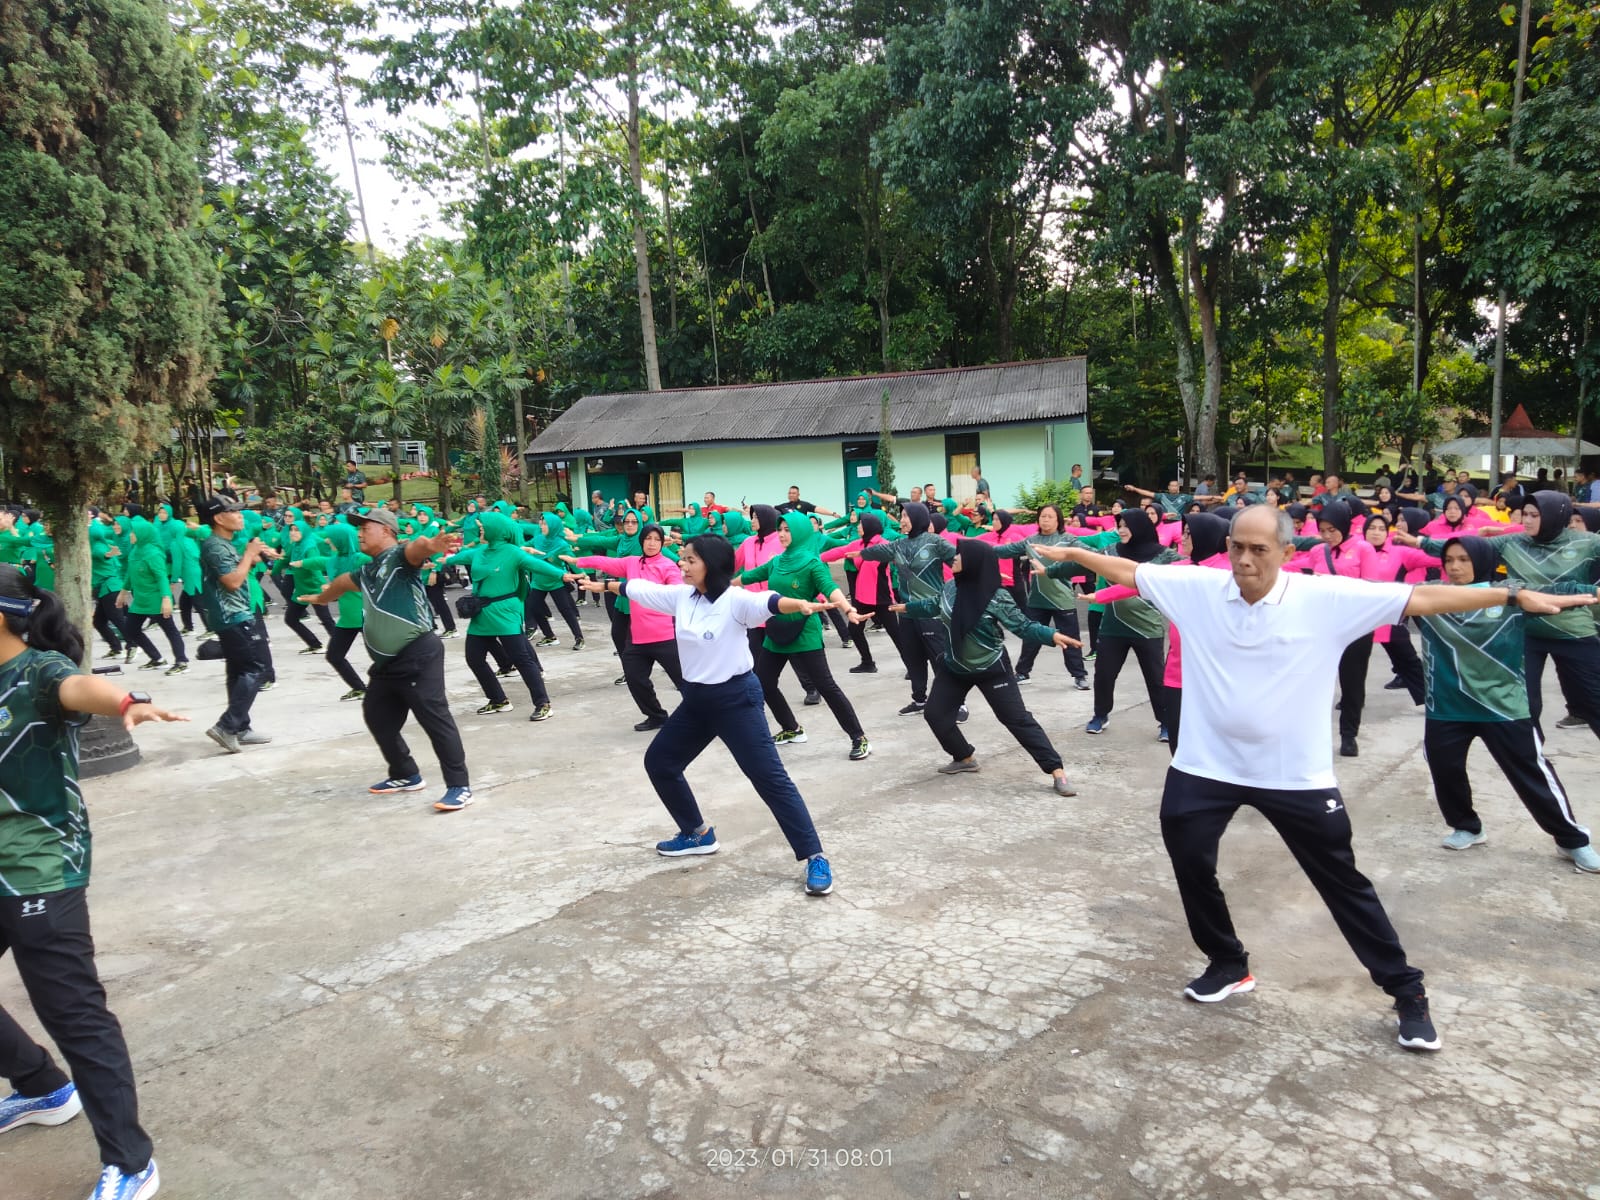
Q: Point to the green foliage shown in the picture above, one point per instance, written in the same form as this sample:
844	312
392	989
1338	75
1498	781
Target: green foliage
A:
1060	492
105	292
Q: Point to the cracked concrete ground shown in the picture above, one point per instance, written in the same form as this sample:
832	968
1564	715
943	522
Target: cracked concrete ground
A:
334	995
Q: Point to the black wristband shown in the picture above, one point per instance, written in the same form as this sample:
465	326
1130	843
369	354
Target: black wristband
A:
622	587
772	601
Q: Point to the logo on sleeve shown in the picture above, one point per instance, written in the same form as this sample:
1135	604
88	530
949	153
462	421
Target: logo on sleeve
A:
5	718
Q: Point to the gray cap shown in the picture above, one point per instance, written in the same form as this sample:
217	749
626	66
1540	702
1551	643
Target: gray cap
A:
214	504
379	516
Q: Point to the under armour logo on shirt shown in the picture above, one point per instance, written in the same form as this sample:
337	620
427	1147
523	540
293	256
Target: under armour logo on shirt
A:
1333	805
33	908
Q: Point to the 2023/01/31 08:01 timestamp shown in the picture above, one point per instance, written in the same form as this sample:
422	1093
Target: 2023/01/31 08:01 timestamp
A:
798	1158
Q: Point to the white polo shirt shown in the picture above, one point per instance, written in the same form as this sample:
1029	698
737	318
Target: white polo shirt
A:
1248	669
712	635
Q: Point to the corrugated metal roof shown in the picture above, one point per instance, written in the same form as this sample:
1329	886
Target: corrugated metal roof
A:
960	398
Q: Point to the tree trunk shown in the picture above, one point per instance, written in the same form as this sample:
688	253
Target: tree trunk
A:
755	219
441	472
1205	426
70	532
641	244
672	246
1159	248
1332	456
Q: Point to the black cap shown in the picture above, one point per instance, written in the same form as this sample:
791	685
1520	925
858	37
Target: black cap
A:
214	504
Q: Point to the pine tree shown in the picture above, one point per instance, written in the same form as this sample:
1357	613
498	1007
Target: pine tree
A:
885	446
106	297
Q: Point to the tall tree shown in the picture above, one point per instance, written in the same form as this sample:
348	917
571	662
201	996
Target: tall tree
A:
106	295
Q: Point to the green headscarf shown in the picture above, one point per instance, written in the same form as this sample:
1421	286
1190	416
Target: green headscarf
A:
802	541
694	522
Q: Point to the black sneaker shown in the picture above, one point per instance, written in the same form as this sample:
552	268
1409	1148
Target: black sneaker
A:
1220	981
649	723
865	668
1348	748
915	706
1023	677
962	714
812	698
1394	685
1416	1030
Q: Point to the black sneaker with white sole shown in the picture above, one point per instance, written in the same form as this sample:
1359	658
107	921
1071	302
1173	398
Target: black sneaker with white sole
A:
1416	1028
1220	981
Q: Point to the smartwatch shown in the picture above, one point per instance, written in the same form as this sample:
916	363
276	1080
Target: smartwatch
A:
1513	586
131	699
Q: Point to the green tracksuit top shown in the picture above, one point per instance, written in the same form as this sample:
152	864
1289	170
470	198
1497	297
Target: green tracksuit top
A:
797	572
1473	664
1564	564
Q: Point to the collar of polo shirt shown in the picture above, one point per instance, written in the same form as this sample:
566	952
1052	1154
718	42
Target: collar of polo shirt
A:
1274	596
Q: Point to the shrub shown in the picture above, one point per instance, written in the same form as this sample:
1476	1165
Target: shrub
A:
1052	491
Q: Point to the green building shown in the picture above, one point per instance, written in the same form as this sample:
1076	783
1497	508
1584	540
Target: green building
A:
1018	422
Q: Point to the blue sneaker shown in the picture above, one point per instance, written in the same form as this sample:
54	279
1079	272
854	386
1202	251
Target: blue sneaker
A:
1161	734
689	843
819	876
1097	725
114	1185
453	800
387	787
59	1107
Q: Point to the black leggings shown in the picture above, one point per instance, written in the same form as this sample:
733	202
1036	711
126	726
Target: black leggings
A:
999	688
564	606
1174	697
769	666
294	617
1353	684
1403	658
338	656
190	607
440	606
1066	621
137	639
1114	651
515	647
109	622
138	621
620	634
637	661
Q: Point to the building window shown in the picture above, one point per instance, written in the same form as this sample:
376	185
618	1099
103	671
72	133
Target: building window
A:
552	480
960	455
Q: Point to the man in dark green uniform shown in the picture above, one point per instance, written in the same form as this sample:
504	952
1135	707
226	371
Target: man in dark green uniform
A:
407	675
225	597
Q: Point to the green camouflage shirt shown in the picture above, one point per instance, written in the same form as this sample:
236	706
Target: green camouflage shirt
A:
1473	664
1566	564
395	610
218	558
981	649
44	827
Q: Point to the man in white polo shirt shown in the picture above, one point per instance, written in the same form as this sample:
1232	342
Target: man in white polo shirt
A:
1261	632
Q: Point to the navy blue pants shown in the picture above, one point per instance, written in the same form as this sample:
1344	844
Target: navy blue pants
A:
1577	671
1315	826
735	711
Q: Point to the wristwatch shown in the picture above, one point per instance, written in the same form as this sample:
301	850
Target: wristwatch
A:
1513	586
133	698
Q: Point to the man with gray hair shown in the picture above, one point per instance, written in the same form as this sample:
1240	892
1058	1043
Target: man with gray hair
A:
1259	631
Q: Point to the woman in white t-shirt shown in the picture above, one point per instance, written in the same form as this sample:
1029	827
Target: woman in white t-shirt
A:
722	698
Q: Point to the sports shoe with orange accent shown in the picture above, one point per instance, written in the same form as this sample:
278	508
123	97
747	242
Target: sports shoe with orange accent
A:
1220	981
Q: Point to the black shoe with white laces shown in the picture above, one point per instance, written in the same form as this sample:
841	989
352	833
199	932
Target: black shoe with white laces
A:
1220	981
915	706
1416	1029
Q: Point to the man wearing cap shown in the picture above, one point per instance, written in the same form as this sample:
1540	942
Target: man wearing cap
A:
407	675
225	597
